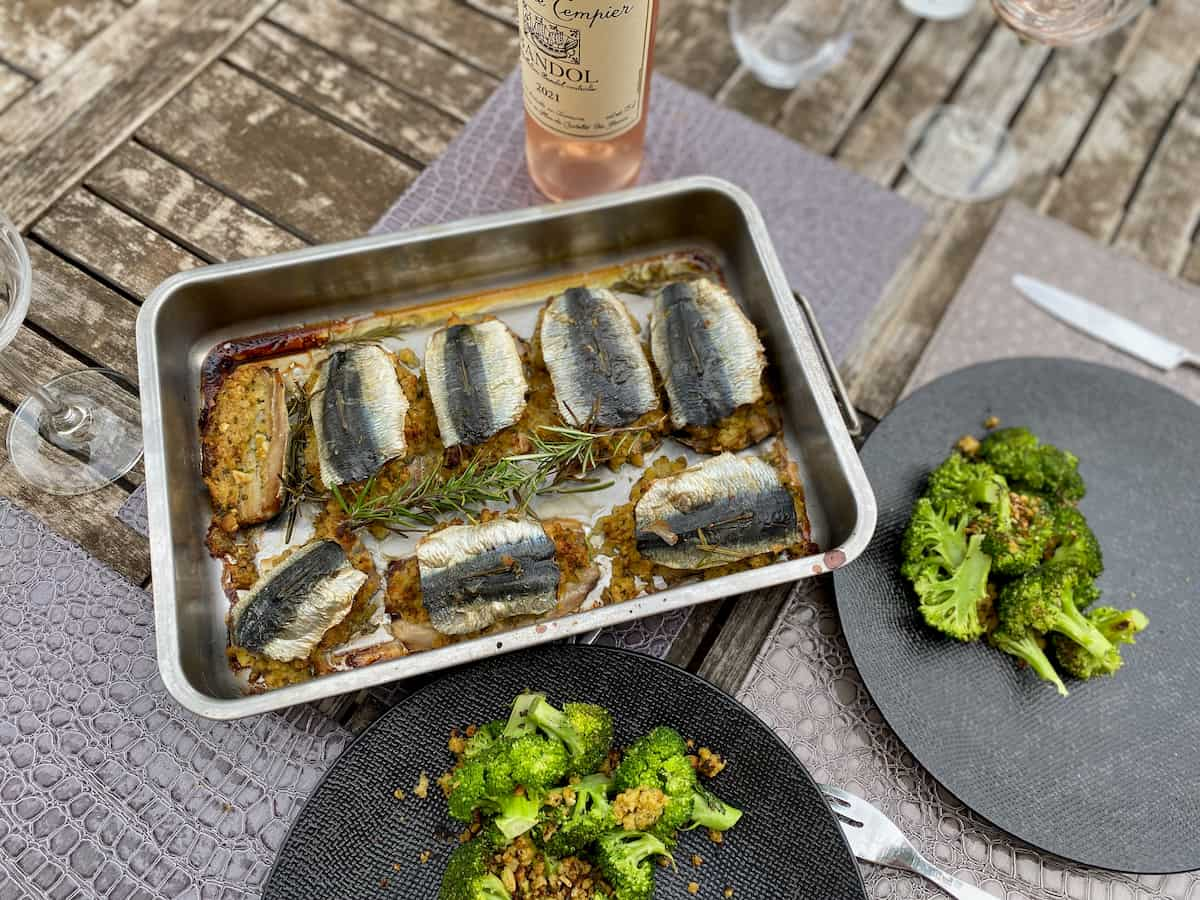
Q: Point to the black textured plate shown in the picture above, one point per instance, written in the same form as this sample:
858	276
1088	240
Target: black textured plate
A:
1109	776
353	832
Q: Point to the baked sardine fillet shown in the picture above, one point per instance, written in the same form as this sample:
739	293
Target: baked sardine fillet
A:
600	372
724	509
474	575
476	380
358	411
287	612
707	352
245	439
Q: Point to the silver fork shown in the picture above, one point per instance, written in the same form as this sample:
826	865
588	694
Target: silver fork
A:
875	838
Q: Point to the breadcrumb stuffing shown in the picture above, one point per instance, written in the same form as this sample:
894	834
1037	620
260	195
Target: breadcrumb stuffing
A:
422	787
693	888
398	793
638	808
697	860
991	422
968	444
715	836
708	763
424	857
728	892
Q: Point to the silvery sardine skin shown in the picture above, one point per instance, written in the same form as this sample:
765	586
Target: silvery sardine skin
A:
287	612
474	575
600	372
358	411
724	509
476	380
706	350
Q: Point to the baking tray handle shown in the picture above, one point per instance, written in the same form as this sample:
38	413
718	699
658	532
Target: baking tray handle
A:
849	414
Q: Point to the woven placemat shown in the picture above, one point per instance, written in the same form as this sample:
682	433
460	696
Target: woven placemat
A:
804	682
108	788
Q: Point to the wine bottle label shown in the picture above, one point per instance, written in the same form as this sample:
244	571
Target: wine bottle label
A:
583	64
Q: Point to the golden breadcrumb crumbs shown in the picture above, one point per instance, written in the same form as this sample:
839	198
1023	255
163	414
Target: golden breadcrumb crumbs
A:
691	744
728	892
639	807
991	422
708	763
424	857
523	871
457	742
398	794
383	882
715	836
693	888
968	444
422	787
395	867
697	860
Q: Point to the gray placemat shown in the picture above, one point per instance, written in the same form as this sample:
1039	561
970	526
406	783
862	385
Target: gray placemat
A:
988	319
107	787
805	686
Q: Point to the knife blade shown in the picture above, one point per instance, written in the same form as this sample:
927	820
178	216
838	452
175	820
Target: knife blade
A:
1104	325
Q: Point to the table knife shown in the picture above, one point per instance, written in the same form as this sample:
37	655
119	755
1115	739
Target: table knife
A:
1106	326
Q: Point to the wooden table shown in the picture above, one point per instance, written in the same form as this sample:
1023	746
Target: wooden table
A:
142	137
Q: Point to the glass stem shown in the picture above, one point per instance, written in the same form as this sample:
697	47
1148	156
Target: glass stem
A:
61	417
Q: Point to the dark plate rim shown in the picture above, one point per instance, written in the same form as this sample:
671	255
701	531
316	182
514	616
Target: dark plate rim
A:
599	650
854	651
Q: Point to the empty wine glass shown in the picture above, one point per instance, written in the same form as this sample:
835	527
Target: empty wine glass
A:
784	42
964	153
81	430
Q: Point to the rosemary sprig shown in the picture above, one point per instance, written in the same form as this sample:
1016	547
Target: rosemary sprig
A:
298	483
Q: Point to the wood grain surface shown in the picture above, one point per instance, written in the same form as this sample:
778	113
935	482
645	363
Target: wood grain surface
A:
143	138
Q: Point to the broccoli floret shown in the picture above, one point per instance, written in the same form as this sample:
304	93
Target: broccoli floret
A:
517	813
1018	544
1042	601
659	760
1118	626
489	780
624	860
482	739
1030	465
585	729
1074	543
1027	647
576	826
468	788
932	540
960	487
467	877
710	811
954	600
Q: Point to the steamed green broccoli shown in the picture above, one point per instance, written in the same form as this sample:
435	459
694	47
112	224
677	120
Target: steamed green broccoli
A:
508	780
710	811
960	487
484	737
1118	626
572	827
1018	544
949	572
1073	543
932	540
1043	601
467	877
583	728
1029	465
624	861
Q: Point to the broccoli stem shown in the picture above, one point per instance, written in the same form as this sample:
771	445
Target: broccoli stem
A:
518	721
517	814
1026	648
554	721
1072	623
490	887
710	811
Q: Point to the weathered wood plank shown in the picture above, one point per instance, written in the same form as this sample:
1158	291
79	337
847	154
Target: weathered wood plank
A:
693	43
386	52
742	635
1164	213
456	28
818	112
81	312
293	165
316	77
1191	266
12	85
69	122
194	214
88	520
1049	125
1093	192
104	239
501	9
924	75
39	36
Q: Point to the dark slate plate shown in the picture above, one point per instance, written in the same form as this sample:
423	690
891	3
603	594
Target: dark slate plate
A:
352	830
1110	776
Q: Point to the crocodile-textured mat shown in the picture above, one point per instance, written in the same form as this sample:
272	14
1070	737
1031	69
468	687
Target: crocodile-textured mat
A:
1109	775
355	838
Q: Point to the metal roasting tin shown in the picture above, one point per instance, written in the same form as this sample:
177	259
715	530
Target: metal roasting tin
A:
190	313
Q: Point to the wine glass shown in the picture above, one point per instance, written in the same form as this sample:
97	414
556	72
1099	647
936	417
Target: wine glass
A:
81	430
784	42
962	153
